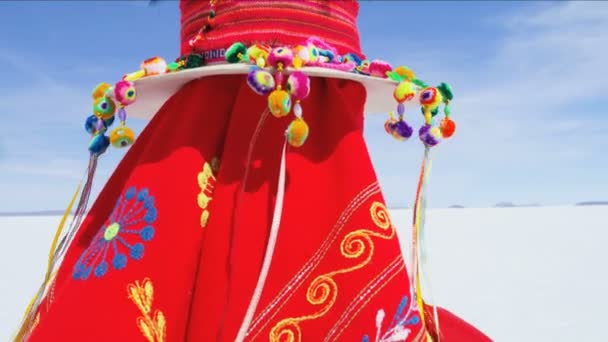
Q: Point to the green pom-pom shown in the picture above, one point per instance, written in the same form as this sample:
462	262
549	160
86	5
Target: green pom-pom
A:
419	83
173	66
236	53
446	91
395	76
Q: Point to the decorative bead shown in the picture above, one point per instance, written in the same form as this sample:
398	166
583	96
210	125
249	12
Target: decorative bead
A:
297	132
446	110
446	91
154	66
122	136
261	81
279	103
429	135
404	92
212	14
379	68
122	114
447	127
401	108
99	144
100	125
279	78
174	66
297	109
104	108
124	92
134	76
236	53
280	58
430	97
298	85
100	90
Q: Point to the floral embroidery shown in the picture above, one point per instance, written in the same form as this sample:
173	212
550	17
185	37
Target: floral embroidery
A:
399	329
206	181
323	291
121	236
152	325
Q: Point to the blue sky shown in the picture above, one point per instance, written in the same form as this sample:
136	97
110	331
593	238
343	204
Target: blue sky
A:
529	79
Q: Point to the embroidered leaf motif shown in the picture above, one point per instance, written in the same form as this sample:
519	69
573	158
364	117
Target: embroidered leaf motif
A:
206	181
142	295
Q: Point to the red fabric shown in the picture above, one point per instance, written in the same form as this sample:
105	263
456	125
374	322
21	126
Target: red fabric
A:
337	261
284	22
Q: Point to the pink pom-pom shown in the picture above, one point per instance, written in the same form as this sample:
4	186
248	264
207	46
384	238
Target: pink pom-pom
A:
379	68
298	85
280	57
124	92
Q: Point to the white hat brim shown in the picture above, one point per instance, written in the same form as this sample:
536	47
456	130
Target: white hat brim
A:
154	91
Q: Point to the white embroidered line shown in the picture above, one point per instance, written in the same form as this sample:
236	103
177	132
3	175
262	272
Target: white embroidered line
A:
272	239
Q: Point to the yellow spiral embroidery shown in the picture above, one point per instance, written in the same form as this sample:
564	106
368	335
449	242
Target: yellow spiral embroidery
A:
206	181
152	325
323	290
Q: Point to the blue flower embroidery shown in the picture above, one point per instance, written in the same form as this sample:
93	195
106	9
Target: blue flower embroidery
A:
121	237
398	329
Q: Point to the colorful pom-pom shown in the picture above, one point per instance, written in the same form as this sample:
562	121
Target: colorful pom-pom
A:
154	66
430	97
280	57
99	144
405	73
351	57
446	91
122	136
379	68
260	81
124	92
279	103
258	54
363	67
104	108
298	85
404	92
90	125
429	135
100	90
236	53
401	130
297	132
447	127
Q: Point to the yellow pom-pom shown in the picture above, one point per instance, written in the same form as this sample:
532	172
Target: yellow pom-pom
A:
279	103
122	136
100	90
404	92
430	98
297	132
405	73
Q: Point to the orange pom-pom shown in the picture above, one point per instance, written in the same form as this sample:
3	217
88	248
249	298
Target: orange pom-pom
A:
279	103
447	127
100	90
297	132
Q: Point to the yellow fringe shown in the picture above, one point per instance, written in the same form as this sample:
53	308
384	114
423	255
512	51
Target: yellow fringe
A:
27	317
